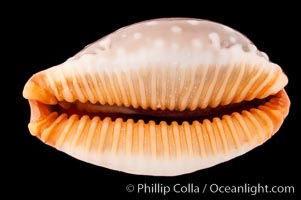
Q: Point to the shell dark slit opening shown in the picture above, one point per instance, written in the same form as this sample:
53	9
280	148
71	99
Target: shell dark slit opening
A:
158	116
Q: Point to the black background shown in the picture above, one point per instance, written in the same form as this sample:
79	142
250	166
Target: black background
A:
48	35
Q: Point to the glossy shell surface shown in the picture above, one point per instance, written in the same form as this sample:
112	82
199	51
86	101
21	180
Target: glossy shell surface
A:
224	95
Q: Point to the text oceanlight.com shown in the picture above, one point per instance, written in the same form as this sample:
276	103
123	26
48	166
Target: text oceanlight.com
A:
192	188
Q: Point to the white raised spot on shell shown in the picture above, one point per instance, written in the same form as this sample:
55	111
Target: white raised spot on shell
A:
215	40
137	35
105	43
123	35
196	43
264	55
176	29
252	48
232	39
151	23
193	22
